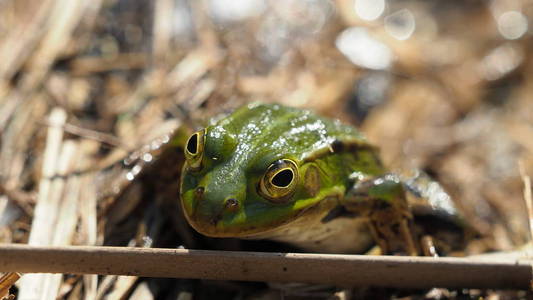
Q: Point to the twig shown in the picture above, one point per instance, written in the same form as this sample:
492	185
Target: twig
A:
340	270
527	196
101	137
21	199
85	65
6	282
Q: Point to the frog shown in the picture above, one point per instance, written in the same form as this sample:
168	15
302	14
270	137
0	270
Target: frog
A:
269	171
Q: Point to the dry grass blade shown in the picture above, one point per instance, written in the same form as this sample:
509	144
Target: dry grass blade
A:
91	134
527	196
340	270
6	282
529	205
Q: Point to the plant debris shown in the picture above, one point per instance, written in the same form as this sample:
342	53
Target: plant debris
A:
90	91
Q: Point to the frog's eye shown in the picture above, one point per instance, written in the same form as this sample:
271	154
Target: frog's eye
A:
194	150
279	181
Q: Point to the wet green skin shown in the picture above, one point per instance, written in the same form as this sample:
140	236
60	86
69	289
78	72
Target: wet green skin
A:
240	148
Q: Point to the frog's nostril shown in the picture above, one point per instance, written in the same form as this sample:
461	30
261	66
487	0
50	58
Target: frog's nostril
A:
199	192
231	204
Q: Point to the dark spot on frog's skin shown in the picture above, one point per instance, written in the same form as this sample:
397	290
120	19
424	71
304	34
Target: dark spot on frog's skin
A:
199	192
284	269
337	146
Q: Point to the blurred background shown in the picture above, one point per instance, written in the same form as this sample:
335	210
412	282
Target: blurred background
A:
443	86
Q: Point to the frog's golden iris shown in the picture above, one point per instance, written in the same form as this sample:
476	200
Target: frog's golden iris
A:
280	181
194	150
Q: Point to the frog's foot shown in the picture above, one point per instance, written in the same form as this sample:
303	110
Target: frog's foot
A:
382	201
392	232
428	246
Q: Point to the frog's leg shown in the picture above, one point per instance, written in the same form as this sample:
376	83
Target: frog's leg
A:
437	220
382	200
429	194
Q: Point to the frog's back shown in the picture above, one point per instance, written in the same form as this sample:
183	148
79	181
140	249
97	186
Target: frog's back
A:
271	128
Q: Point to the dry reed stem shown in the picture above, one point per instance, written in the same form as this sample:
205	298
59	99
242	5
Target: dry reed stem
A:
121	287
32	286
162	29
87	212
105	285
65	225
527	196
6	282
142	291
63	19
340	270
58	229
22	41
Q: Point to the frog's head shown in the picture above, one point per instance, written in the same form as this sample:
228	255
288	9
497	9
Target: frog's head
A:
244	176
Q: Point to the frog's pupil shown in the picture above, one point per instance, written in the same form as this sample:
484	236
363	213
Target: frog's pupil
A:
192	145
283	178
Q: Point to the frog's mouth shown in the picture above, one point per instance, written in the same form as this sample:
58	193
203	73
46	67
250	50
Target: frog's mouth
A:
225	223
222	224
208	225
215	226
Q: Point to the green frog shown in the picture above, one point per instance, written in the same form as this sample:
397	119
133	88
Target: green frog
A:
273	172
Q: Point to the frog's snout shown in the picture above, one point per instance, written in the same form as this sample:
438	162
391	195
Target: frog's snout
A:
211	208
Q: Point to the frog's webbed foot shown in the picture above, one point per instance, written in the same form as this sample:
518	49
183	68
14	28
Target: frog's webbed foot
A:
382	201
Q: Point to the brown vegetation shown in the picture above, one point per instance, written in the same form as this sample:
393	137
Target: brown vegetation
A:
84	84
